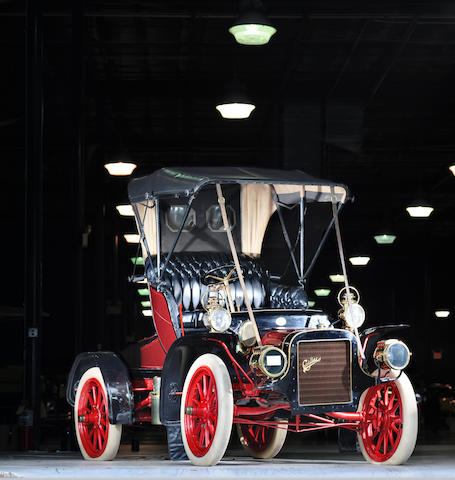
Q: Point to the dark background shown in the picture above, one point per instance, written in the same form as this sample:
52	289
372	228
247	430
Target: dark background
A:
358	92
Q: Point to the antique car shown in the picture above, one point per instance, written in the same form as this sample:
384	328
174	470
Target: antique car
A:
232	345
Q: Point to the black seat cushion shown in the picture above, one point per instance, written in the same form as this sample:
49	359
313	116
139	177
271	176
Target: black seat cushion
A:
288	297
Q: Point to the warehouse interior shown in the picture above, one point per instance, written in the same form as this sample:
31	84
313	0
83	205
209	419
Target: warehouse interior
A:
360	93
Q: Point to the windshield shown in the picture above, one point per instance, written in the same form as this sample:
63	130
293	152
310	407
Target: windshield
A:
275	254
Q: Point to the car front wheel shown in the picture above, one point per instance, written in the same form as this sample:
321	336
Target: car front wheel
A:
388	432
261	441
97	438
206	410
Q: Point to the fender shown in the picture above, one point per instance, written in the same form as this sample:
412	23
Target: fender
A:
116	378
371	336
179	359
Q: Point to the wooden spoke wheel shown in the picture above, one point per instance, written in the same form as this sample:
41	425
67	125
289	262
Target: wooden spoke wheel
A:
206	410
97	438
388	432
261	441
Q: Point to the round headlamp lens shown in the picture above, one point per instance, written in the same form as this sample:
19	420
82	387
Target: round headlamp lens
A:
220	319
272	361
397	355
354	315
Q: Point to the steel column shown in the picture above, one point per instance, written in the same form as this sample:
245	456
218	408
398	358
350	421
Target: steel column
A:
33	215
78	164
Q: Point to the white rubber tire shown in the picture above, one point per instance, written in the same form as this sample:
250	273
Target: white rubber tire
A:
410	424
273	448
225	405
114	432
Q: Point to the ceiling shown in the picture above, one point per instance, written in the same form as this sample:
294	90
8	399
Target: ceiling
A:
360	92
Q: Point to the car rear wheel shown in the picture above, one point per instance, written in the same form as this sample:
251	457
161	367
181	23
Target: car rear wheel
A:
388	432
261	441
206	410
97	438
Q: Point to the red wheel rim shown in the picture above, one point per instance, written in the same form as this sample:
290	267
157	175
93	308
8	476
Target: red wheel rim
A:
93	420
257	437
201	411
383	421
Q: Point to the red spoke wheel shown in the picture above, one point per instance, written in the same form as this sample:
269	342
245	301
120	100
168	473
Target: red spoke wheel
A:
206	410
97	438
388	432
261	441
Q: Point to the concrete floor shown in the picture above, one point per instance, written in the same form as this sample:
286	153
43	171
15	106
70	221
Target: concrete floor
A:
308	462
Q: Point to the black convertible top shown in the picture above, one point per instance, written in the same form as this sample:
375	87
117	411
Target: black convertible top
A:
185	181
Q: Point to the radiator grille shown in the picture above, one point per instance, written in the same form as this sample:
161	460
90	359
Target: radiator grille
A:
328	380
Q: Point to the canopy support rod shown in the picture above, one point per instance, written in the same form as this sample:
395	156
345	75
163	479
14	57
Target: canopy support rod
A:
179	232
158	237
285	234
222	202
321	244
343	267
302	238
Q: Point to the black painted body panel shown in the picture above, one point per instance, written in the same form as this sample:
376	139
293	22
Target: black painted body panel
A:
116	378
288	384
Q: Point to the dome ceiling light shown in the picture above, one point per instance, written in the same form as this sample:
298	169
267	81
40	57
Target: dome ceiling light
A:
420	209
252	27
235	104
442	313
120	169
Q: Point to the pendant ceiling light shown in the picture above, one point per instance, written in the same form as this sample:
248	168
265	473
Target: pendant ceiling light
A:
311	303
420	209
252	27
442	313
125	210
235	104
337	278
322	292
359	260
132	237
137	260
452	169
385	238
120	169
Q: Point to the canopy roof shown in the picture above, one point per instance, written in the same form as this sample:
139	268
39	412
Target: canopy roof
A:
185	181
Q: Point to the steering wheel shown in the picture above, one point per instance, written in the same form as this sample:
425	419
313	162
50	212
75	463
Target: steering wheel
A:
210	278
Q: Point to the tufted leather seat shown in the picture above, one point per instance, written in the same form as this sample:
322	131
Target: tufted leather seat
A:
185	271
287	297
